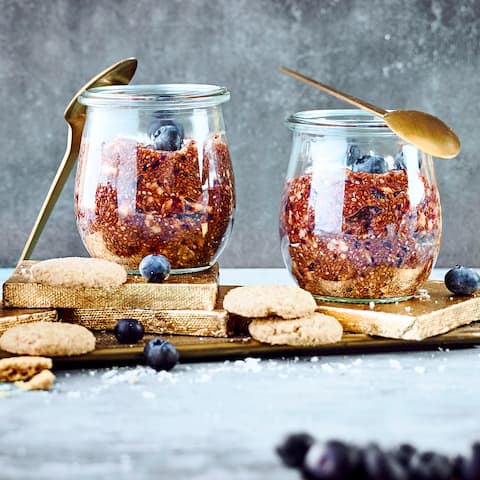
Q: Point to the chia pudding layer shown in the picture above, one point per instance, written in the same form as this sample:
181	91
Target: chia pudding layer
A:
384	242
178	203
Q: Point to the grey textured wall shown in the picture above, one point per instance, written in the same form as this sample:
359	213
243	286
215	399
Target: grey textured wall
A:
421	54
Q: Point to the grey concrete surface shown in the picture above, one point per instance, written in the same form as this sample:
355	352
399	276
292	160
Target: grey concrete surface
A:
421	54
220	421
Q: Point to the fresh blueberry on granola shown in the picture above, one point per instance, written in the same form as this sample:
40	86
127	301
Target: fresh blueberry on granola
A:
155	268
166	134
370	164
353	154
461	280
128	330
160	354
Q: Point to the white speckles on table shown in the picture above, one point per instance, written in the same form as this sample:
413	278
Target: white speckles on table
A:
222	420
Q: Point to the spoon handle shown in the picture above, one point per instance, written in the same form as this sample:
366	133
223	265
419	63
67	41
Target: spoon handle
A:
377	111
56	188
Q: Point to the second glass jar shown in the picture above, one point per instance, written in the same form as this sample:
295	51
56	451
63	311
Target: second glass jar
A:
360	216
154	175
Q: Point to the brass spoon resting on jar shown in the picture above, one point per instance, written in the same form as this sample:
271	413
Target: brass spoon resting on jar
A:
421	129
119	73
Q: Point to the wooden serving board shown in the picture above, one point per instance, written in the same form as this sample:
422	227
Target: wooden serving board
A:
10	317
196	291
437	311
193	349
441	311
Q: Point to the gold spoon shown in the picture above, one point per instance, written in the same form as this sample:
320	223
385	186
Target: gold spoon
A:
118	74
421	129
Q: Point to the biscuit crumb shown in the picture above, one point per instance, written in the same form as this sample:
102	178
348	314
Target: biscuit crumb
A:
41	381
22	368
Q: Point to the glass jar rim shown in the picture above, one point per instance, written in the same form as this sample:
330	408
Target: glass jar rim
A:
171	95
338	122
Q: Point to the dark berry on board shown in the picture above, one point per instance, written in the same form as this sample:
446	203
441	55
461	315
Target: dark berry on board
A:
160	354
155	268
370	164
293	449
165	134
462	280
128	330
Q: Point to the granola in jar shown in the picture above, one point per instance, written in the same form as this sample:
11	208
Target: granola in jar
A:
171	193
368	231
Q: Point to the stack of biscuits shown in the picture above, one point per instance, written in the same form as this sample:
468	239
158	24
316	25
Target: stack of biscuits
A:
282	315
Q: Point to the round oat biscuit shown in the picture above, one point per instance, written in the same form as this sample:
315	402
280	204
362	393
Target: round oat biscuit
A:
78	272
309	331
267	300
49	339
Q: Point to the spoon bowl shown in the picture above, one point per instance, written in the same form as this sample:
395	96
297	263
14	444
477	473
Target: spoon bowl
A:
423	130
119	73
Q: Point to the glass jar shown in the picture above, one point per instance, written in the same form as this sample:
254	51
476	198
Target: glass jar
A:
154	175
360	217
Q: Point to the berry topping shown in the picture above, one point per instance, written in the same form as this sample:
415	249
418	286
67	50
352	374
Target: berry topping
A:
370	164
462	280
165	134
128	330
399	162
353	154
293	449
155	268
160	354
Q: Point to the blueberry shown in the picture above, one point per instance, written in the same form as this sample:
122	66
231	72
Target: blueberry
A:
155	268
353	154
460	466
399	162
165	134
128	330
462	280
370	164
328	461
471	466
293	449
404	453
160	354
380	465
430	466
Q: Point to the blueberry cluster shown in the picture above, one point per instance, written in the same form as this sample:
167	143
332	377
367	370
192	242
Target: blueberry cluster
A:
371	163
336	460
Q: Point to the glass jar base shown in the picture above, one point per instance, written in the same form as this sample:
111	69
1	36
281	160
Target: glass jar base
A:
324	298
